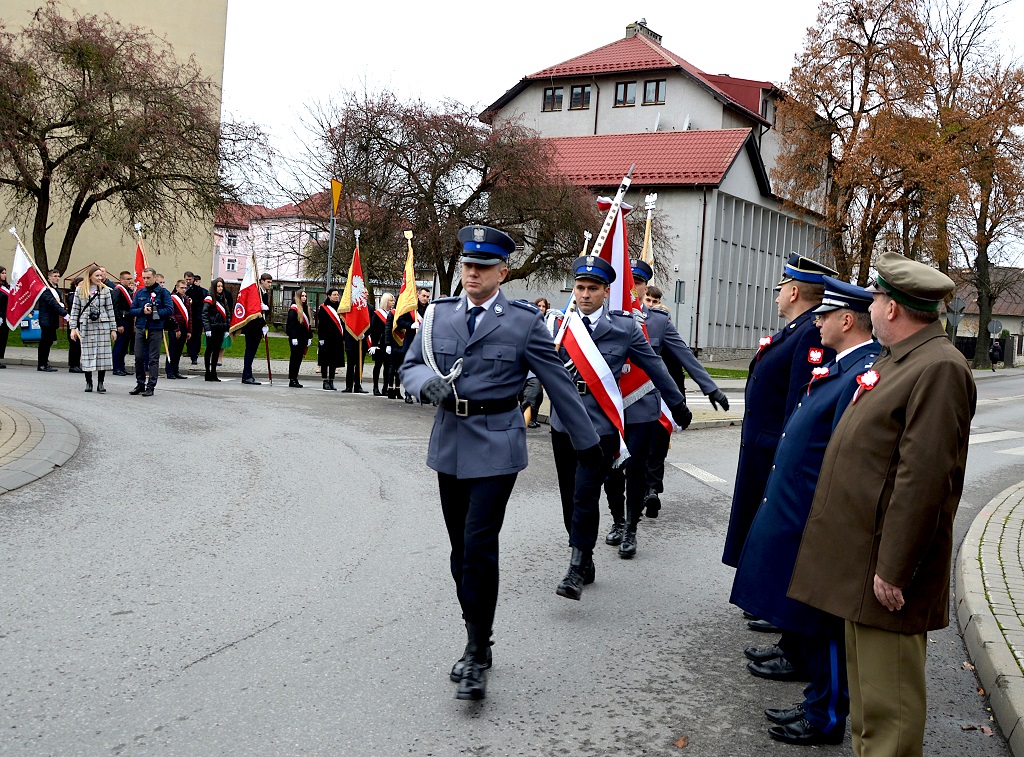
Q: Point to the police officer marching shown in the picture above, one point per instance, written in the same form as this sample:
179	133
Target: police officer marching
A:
470	357
617	337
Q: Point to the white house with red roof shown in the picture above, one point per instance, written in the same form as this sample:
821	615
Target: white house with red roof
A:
704	143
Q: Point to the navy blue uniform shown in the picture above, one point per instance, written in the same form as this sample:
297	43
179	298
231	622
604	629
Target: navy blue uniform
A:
777	375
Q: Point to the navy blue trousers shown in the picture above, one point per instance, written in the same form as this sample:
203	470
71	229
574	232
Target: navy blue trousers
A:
474	509
579	488
627	485
252	343
827	696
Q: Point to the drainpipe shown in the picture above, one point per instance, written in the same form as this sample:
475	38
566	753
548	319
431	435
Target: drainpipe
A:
597	101
700	271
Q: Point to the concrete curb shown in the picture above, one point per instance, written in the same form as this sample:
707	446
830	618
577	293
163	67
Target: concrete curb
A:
989	583
49	443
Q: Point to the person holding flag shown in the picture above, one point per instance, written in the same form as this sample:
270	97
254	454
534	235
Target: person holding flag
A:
597	347
356	308
331	338
249	316
470	357
26	287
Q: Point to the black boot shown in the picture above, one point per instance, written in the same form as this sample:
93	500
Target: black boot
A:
628	547
376	389
589	572
614	536
471	649
333	387
139	389
88	381
473	681
572	585
99	382
327	386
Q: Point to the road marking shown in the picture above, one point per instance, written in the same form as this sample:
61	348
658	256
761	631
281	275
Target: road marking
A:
699	474
995	436
1014	451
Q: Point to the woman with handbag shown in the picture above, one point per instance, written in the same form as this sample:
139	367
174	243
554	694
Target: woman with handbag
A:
93	326
299	334
216	312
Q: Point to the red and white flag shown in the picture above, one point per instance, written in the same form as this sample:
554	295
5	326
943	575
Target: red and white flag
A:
354	302
635	383
249	304
27	285
593	369
140	263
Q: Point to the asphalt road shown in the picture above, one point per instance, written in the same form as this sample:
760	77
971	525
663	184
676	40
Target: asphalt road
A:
225	570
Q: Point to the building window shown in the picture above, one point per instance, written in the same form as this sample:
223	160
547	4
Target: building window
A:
552	98
232	240
267	236
654	92
231	265
579	97
625	94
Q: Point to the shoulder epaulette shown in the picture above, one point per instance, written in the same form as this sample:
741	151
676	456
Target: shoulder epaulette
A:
526	305
622	313
658	311
445	299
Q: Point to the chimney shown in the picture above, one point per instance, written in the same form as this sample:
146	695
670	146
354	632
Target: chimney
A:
640	27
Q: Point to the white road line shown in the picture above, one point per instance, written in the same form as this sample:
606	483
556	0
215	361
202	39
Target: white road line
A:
699	474
995	436
1014	451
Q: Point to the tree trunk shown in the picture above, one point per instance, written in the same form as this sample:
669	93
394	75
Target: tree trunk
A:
982	275
39	225
75	224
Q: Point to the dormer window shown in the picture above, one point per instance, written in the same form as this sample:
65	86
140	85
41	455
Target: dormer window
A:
552	99
625	94
654	92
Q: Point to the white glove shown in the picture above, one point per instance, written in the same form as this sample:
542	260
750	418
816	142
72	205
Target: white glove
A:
266	331
67	319
264	307
309	342
373	350
415	325
321	342
295	342
387	350
209	333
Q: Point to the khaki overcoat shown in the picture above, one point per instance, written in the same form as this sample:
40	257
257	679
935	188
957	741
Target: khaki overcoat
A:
889	488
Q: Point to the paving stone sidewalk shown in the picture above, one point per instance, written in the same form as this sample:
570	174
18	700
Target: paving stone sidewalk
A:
990	607
32	443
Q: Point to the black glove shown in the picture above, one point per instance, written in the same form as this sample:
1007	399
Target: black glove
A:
591	457
435	391
717	398
681	415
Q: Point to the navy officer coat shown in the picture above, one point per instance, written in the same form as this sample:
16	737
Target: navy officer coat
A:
777	375
766	563
509	340
618	337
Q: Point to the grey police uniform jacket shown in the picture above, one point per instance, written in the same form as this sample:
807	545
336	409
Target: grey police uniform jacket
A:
509	340
665	338
618	337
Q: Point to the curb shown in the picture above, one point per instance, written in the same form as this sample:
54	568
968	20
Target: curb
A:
49	443
989	621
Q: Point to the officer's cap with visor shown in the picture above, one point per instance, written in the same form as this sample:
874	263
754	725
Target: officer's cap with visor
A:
910	283
483	245
594	268
839	294
641	270
799	268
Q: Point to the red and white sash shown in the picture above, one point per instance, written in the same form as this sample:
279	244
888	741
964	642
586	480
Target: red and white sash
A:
334	316
382	314
221	308
127	295
181	306
302	315
593	369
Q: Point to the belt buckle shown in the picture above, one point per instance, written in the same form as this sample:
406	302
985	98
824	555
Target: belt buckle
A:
462	408
581	387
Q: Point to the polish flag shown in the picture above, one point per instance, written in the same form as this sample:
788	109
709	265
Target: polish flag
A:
27	285
140	263
249	304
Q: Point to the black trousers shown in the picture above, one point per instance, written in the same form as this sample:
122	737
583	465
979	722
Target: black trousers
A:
394	380
378	366
175	346
47	336
252	343
531	396
474	509
122	344
354	363
213	344
74	353
656	462
5	332
580	488
627	485
147	355
196	340
298	351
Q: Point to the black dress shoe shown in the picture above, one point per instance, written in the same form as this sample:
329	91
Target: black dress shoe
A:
76	369
779	669
533	424
408	401
749	616
180	377
347	390
139	389
763	654
653	503
376	392
171	377
251	382
46	368
628	547
120	373
473	684
148	392
294	384
785	717
358	390
460	665
763	626
803	733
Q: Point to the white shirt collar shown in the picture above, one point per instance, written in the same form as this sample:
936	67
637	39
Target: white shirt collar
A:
486	305
844	353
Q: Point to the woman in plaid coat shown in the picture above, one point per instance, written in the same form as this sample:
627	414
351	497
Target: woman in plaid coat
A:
93	326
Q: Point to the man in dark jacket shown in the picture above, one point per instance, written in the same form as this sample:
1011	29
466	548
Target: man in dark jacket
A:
151	307
51	312
121	298
178	330
4	328
256	329
196	294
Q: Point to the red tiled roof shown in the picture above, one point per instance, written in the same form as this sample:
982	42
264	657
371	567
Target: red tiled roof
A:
747	92
672	158
233	215
640	53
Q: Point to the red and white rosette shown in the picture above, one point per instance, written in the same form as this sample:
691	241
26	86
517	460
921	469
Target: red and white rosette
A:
865	383
818	373
762	344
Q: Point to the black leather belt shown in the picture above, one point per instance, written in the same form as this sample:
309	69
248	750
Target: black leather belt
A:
582	388
466	408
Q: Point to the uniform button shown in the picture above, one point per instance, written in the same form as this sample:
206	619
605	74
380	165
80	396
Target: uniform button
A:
764	500
783	434
773	467
469	352
799	404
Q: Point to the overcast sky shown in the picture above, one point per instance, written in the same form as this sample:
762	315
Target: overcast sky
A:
280	56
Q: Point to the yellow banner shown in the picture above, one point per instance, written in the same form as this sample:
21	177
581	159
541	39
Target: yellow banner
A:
335	195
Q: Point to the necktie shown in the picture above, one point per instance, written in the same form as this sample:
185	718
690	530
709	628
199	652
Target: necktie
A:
586	322
473	313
